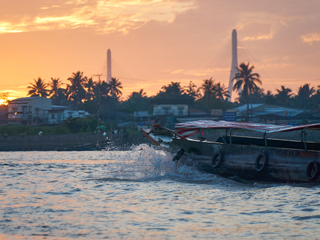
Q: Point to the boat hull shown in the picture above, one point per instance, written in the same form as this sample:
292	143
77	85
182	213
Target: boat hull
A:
251	162
245	160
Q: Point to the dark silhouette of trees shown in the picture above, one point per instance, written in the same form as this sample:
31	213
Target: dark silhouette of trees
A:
214	96
54	85
172	90
304	94
257	96
283	95
247	80
61	97
56	92
89	86
137	95
209	88
75	89
221	91
38	88
192	90
83	93
269	98
136	101
115	85
102	89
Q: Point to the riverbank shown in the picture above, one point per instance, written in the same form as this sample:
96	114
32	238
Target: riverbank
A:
121	141
69	142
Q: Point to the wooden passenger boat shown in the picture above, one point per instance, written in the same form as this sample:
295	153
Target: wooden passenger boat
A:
252	158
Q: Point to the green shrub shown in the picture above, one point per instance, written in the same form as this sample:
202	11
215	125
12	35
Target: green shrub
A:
71	125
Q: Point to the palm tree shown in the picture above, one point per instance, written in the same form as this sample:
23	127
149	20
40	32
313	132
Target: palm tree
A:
269	97
304	94
192	90
172	89
103	88
221	91
140	94
209	88
89	85
136	101
115	86
247	80
55	85
257	95
283	95
38	88
76	91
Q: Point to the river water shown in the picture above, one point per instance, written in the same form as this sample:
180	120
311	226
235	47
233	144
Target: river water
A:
142	194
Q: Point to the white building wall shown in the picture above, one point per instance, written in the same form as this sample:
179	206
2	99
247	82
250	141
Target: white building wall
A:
35	110
57	117
24	109
170	109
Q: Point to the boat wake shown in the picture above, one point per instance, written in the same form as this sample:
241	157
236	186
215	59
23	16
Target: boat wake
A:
146	163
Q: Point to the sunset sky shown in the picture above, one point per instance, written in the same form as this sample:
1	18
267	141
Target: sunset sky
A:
154	42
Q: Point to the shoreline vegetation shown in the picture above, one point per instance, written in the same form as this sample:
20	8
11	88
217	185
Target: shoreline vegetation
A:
70	126
101	98
75	134
123	140
71	142
103	101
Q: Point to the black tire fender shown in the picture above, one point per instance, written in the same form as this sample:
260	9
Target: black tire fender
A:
260	167
313	171
217	160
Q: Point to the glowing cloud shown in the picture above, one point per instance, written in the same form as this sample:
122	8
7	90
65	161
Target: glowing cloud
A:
268	24
260	37
7	27
310	38
103	16
198	72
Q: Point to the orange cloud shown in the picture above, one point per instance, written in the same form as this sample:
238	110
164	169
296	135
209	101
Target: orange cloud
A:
7	27
105	16
14	94
310	38
260	37
199	72
277	65
264	25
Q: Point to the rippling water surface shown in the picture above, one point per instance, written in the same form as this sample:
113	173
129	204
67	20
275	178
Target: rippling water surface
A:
141	194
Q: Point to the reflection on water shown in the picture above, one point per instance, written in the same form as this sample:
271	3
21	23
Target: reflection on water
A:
141	194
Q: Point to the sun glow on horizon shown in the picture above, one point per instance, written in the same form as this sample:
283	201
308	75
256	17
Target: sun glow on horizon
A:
3	102
155	42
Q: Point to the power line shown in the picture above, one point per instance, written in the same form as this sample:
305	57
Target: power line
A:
250	56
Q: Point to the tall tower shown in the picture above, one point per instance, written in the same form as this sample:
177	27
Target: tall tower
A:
109	66
234	62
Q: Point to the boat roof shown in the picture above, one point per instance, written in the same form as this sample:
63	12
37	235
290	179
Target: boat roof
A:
266	128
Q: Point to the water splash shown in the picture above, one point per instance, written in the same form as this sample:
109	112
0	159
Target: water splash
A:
147	163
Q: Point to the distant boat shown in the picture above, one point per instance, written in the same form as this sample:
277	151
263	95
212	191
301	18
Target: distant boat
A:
248	158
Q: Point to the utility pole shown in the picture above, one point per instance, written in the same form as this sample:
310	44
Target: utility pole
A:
98	111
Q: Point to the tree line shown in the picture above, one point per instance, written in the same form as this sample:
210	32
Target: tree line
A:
83	93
